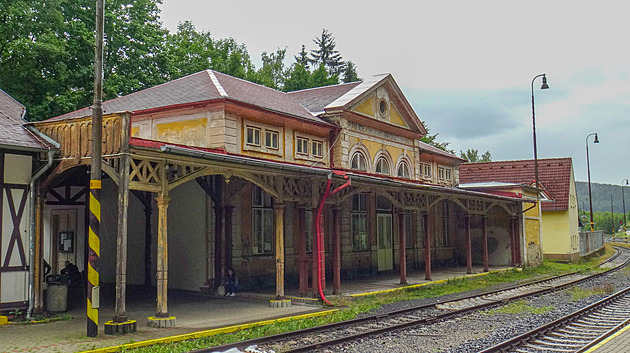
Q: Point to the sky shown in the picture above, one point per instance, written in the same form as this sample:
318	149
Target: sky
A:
467	67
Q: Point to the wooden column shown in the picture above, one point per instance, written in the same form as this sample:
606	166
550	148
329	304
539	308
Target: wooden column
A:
314	283
278	210
120	311
337	250
468	245
402	247
427	246
218	245
322	256
301	245
39	259
162	256
148	210
517	243
513	221
227	213
484	244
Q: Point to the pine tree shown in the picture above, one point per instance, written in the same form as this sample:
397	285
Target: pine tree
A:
350	72
302	58
326	54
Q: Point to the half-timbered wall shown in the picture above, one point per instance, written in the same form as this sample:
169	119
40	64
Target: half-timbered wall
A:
15	175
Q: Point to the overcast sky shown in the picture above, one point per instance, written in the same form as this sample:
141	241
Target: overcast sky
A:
467	66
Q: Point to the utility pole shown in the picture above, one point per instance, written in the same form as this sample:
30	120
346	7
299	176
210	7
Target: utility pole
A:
95	178
612	216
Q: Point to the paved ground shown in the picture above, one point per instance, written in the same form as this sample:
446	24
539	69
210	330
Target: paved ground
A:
618	343
194	312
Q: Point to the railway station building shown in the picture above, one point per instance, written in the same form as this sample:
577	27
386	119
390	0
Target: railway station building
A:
215	172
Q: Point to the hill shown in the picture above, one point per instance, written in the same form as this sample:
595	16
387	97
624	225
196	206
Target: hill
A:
601	196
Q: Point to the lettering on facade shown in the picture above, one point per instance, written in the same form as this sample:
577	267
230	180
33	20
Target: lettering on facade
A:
374	132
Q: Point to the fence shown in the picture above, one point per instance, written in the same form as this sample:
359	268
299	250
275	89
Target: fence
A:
591	242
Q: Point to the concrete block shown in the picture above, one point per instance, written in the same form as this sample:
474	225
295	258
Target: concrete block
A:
161	322
120	328
285	303
4	320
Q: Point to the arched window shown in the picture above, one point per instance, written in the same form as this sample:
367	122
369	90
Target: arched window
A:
358	162
382	167
403	170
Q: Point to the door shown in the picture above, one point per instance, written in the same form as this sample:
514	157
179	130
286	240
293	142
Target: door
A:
384	241
64	238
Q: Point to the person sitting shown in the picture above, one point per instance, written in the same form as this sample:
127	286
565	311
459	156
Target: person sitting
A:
72	271
230	283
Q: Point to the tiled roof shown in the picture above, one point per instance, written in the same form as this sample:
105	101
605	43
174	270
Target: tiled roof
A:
425	147
316	99
200	87
554	175
12	131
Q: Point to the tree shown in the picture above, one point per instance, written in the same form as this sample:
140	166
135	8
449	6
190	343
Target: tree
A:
472	156
189	51
272	72
320	77
432	140
302	57
350	72
326	54
298	78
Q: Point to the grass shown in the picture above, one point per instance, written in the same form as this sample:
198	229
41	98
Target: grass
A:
352	307
580	293
519	307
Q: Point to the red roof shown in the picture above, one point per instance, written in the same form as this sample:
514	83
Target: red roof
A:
554	175
13	134
202	86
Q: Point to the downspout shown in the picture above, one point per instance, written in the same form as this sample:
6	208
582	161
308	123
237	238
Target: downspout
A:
31	255
318	224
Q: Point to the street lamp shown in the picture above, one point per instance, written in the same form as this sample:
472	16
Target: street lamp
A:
623	201
544	86
588	169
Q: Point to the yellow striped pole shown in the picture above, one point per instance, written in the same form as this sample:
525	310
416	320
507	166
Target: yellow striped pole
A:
93	256
95	178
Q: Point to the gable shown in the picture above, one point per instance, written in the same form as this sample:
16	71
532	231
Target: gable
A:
382	105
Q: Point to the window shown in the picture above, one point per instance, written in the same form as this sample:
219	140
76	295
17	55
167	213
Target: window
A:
408	231
317	148
441	173
253	136
382	108
448	174
403	170
382	167
427	171
446	216
359	222
301	146
271	139
358	162
262	222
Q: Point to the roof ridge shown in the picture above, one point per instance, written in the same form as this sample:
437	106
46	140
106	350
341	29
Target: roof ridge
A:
216	83
248	82
518	160
322	87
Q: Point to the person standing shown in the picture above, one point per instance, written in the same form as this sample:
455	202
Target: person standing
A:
230	283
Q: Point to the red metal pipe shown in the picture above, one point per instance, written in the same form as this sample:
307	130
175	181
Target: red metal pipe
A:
320	248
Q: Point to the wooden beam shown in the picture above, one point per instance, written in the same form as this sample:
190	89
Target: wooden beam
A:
278	209
301	244
427	246
484	244
468	245
402	247
336	249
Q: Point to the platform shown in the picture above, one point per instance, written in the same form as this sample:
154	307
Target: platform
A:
195	312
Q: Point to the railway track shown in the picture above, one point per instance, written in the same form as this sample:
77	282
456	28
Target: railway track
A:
315	338
576	332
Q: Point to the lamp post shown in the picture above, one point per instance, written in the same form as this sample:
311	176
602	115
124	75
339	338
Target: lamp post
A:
623	202
588	170
544	86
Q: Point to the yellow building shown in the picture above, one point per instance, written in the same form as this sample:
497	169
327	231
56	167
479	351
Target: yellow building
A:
560	233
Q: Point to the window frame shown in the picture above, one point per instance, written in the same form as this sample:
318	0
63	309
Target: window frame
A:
359	217
319	151
272	133
403	165
379	163
425	168
256	132
262	215
355	155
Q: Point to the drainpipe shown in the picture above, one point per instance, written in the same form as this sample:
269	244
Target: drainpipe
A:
31	255
320	249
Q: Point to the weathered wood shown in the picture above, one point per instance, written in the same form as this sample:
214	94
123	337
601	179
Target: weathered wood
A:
301	243
402	247
162	249
278	210
468	244
120	312
427	246
484	244
337	250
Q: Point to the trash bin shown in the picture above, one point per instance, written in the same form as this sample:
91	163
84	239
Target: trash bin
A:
57	294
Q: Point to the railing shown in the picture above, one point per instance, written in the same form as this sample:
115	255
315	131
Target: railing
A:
591	242
75	135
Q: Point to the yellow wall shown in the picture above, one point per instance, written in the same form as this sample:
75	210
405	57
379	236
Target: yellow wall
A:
366	107
185	132
532	227
556	232
395	117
